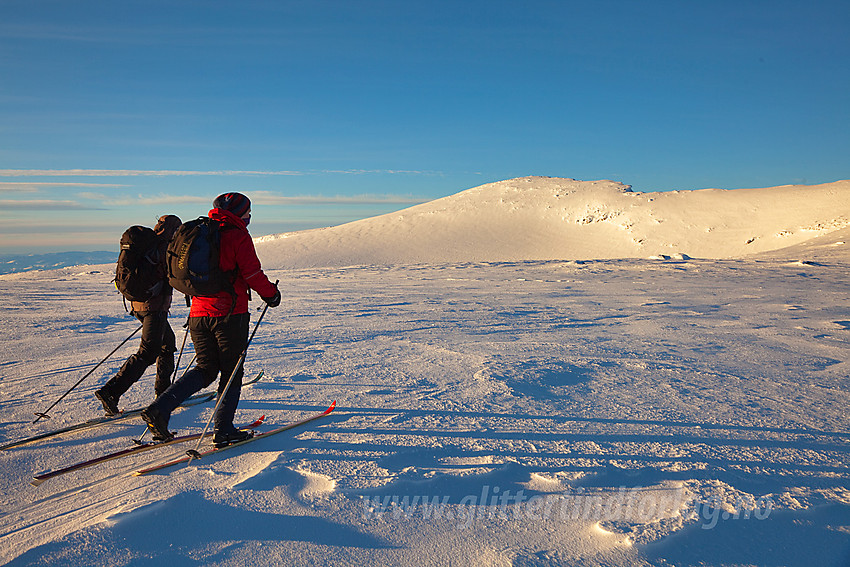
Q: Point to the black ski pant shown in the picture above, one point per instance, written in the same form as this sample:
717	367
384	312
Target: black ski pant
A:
219	344
157	346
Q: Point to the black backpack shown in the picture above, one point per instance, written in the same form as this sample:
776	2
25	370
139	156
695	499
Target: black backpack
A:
193	259
138	275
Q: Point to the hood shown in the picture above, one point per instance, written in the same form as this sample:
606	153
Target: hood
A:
228	218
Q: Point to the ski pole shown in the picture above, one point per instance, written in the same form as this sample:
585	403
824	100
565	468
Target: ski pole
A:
191	362
80	381
179	356
193	453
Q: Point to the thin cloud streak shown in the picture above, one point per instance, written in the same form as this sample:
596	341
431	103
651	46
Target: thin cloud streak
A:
259	197
35	186
128	173
43	205
377	172
183	173
126	201
264	198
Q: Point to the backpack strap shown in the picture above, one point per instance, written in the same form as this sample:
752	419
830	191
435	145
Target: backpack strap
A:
231	274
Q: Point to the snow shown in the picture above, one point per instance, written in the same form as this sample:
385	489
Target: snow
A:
533	372
542	218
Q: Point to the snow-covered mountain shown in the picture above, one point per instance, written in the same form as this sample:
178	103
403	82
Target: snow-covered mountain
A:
28	262
542	218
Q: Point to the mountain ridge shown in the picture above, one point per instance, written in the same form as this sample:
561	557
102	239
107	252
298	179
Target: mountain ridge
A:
549	218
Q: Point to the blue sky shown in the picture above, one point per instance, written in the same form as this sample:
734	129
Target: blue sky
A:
112	113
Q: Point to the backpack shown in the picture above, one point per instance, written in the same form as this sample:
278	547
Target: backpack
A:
193	259
137	275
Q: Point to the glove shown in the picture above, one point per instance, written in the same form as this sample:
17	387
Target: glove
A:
274	300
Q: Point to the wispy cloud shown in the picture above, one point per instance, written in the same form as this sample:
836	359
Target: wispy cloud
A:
378	172
179	173
259	197
128	173
33	187
267	198
159	199
43	205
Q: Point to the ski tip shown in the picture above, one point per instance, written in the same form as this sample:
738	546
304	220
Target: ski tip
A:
258	422
331	408
37	481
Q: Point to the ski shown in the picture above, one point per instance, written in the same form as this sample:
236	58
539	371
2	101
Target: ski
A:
98	421
196	455
255	378
194	400
39	478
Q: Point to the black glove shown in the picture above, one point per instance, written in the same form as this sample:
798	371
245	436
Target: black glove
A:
274	300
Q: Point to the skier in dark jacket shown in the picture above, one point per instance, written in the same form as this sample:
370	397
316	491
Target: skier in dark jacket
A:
219	326
158	343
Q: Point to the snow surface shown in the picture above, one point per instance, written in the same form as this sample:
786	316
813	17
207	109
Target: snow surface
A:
567	373
544	218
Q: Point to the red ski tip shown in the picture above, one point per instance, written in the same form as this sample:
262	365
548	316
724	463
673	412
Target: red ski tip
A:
257	423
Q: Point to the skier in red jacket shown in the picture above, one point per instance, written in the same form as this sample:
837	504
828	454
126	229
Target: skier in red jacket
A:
218	325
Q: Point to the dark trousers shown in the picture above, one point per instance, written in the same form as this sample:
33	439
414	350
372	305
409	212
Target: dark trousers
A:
157	346
219	344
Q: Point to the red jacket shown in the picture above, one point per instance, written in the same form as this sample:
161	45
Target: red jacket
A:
237	252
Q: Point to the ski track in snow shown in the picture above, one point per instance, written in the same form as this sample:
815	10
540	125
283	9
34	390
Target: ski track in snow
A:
665	386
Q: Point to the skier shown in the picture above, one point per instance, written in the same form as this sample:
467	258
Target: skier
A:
218	325
157	343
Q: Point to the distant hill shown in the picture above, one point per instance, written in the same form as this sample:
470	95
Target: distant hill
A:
550	218
26	263
543	218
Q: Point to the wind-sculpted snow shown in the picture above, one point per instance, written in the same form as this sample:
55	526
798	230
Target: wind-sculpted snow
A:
620	412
